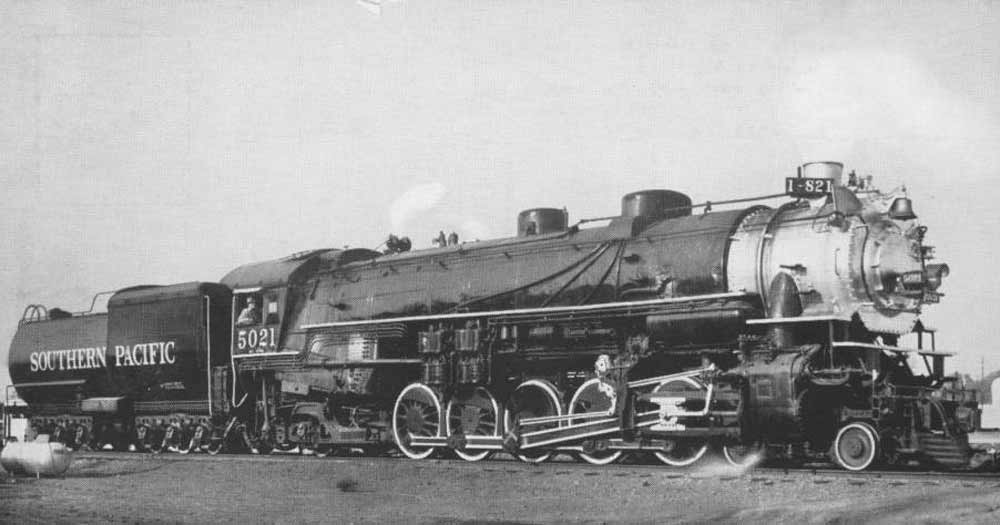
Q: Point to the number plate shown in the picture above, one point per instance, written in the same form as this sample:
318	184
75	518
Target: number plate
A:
807	188
255	341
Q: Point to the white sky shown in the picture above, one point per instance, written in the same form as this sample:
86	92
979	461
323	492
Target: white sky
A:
160	142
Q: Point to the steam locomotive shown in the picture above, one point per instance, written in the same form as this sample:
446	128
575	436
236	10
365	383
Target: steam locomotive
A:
671	329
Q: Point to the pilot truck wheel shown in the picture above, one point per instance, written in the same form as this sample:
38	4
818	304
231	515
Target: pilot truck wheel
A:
855	447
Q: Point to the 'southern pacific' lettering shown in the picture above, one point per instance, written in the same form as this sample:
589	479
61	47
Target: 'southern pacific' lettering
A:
71	359
142	354
145	354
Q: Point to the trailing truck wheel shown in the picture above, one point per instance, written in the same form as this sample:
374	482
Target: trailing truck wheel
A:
532	398
156	439
277	437
215	446
322	451
417	413
473	413
855	447
588	399
685	451
739	455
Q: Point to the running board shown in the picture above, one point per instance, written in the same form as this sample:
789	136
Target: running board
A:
471	442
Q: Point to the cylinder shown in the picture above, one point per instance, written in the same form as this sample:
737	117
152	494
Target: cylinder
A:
39	457
435	371
656	204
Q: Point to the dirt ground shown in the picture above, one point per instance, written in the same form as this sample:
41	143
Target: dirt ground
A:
247	489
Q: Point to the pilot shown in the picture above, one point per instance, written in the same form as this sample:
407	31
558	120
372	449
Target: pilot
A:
250	315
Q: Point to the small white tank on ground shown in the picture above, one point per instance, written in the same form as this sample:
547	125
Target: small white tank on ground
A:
991	413
37	458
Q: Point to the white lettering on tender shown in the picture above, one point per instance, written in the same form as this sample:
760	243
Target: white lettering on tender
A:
142	354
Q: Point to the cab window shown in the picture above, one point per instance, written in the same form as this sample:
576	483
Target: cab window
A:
271	302
250	308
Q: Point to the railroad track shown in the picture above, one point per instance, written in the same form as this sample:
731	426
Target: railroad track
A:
709	468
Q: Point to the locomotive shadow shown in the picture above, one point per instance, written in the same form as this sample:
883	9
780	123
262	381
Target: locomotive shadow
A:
104	468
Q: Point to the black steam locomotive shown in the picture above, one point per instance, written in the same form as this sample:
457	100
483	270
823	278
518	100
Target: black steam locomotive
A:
670	329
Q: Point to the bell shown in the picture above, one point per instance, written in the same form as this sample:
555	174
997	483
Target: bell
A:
902	209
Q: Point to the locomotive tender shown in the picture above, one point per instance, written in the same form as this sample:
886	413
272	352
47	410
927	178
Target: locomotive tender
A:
671	329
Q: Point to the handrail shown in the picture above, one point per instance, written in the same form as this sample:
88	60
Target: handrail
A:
803	319
707	204
548	310
93	302
873	346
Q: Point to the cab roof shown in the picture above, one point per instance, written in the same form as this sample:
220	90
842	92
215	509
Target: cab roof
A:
281	272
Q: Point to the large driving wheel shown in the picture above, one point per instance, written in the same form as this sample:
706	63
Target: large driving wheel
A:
685	451
417	413
532	398
589	398
473	413
856	446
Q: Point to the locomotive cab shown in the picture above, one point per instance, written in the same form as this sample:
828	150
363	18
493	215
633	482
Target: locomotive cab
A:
257	320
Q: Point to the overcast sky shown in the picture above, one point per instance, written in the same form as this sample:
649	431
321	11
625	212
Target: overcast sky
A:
161	142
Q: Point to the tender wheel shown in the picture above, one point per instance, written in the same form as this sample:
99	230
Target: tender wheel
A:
856	446
142	438
532	398
191	442
57	435
473	413
176	435
686	451
590	398
742	455
417	413
156	440
79	437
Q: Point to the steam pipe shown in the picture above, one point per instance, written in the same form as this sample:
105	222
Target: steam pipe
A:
784	302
